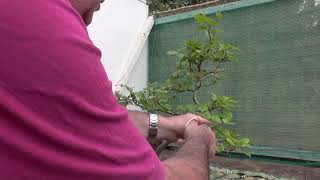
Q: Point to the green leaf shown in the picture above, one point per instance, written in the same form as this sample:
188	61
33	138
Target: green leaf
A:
245	153
203	108
200	18
212	22
172	53
220	148
213	96
202	27
227	118
229	140
244	142
219	15
215	119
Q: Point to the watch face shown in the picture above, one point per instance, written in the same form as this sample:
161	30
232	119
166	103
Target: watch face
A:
153	118
153	121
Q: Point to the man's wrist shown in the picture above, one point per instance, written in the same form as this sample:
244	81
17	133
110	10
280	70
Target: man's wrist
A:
165	128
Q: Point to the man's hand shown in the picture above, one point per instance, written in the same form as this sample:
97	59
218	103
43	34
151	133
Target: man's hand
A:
202	133
173	128
191	161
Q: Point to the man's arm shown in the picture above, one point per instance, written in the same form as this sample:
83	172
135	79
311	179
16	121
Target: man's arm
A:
141	121
192	160
169	128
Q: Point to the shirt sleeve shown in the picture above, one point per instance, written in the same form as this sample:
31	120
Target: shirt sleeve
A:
60	119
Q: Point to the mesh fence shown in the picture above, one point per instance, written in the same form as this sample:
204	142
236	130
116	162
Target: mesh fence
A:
276	83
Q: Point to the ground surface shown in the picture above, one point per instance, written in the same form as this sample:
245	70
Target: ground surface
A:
270	169
228	174
223	168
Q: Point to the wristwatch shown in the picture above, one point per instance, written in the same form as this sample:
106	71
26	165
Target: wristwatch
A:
153	130
153	125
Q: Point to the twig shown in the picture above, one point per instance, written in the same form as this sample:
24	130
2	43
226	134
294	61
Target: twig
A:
179	90
194	97
210	84
169	111
209	33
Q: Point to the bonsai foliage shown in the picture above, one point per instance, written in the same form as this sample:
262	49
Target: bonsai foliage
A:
199	65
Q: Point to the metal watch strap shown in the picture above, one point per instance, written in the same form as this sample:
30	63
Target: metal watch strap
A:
153	130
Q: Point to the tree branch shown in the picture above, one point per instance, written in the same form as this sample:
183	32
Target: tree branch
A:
209	33
169	111
210	84
217	68
180	90
194	97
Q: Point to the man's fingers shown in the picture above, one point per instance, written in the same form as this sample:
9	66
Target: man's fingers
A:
192	123
212	141
212	152
201	120
204	130
180	141
204	121
206	126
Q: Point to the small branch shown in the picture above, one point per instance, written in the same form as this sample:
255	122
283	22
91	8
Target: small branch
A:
210	84
212	109
204	79
169	111
220	112
218	67
194	97
190	67
133	102
206	74
212	72
179	90
200	64
209	33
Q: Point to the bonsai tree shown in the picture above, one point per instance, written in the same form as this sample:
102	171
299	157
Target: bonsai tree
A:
199	65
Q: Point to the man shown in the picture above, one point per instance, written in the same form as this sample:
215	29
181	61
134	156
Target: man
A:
59	118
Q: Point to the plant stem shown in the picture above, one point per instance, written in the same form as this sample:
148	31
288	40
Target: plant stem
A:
194	97
209	33
168	111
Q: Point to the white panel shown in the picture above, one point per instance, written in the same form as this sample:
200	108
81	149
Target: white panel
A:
139	75
115	30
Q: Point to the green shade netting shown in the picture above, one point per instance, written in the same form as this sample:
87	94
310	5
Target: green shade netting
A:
277	80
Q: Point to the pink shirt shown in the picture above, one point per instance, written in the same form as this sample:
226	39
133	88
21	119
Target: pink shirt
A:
58	117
